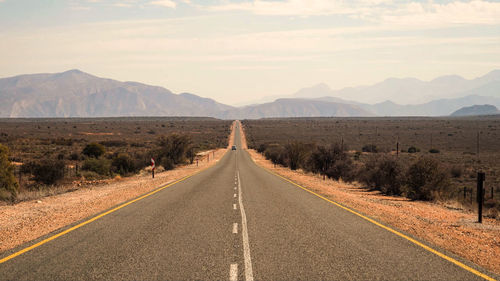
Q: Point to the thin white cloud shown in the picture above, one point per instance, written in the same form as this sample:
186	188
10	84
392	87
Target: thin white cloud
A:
381	11
453	13
164	3
288	7
123	5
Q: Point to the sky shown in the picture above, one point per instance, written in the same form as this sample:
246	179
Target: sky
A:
240	51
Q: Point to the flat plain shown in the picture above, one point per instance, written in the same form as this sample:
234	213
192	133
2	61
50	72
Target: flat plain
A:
456	139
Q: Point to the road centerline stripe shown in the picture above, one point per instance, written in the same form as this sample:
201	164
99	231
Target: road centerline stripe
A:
235	228
244	232
233	272
234	206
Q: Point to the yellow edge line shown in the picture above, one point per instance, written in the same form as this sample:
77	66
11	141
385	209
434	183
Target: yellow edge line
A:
95	218
450	259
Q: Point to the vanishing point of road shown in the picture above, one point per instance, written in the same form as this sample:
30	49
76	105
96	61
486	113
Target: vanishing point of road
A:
232	221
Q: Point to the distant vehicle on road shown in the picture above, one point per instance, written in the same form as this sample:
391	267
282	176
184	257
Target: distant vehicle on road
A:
234	147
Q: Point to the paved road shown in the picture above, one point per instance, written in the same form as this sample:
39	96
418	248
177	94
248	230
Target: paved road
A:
234	221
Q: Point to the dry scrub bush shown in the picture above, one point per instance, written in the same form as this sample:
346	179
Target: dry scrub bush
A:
123	164
370	148
385	173
173	150
456	171
296	153
427	180
99	166
8	183
332	162
94	150
276	154
45	171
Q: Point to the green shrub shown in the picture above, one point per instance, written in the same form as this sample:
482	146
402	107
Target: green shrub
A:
123	164
48	171
100	166
94	150
433	150
427	179
8	182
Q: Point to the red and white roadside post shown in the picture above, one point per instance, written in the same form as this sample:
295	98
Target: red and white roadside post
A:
153	167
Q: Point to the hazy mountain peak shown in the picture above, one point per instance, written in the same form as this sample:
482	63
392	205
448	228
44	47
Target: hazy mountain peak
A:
493	75
400	80
73	71
317	90
75	93
386	102
74	74
448	79
485	109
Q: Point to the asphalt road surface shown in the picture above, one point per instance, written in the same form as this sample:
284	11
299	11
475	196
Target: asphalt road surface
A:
233	221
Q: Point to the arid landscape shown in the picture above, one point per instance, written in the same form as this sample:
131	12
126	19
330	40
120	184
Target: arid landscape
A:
454	140
248	140
33	141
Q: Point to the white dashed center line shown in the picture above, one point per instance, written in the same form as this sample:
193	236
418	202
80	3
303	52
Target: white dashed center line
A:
244	232
233	272
235	228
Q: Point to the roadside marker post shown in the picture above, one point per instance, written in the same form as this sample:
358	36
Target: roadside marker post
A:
480	196
153	167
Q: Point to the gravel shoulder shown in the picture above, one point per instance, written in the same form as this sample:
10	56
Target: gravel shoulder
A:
28	220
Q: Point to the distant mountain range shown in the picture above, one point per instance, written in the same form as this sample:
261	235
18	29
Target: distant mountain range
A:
296	108
411	90
77	94
475	110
